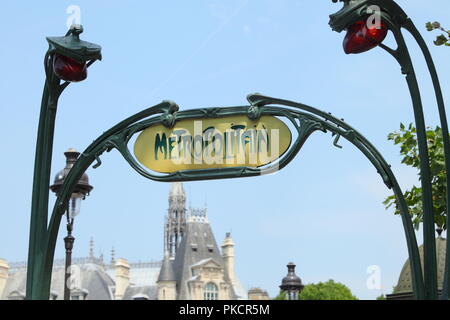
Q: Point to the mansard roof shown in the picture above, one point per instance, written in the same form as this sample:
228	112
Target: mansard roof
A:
142	292
93	279
197	245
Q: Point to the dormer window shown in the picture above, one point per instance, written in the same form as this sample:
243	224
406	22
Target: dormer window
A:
194	247
210	248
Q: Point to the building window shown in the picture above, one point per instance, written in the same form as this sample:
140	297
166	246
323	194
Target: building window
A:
211	292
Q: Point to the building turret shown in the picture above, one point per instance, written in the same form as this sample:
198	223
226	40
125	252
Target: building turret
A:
122	278
228	257
167	284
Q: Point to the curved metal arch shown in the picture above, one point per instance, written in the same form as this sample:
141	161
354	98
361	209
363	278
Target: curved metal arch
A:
411	28
401	54
397	20
304	118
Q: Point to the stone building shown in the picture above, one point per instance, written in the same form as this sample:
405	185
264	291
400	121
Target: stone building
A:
258	294
193	267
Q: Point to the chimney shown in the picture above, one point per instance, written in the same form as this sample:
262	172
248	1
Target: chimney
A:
4	268
122	278
228	257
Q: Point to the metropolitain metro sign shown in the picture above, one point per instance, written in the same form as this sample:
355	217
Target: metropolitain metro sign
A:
231	141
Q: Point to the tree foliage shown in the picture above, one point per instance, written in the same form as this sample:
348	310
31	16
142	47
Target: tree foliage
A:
329	290
406	138
443	38
280	296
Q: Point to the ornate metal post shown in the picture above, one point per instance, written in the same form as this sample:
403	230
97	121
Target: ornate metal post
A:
68	244
67	60
396	19
80	191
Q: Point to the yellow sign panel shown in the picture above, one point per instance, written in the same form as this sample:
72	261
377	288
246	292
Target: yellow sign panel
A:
234	141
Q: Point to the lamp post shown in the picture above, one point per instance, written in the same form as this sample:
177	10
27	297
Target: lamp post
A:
367	23
66	61
81	190
291	285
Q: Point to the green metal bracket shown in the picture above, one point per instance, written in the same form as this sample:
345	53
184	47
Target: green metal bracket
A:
397	20
73	47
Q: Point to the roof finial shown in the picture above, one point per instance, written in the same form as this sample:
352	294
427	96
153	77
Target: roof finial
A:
113	256
91	248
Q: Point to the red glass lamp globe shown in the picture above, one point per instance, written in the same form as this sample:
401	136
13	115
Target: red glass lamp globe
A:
68	69
361	37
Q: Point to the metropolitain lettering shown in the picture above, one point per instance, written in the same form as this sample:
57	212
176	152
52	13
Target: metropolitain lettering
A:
236	145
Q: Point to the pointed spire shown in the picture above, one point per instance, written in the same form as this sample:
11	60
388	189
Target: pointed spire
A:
177	189
91	248
166	273
113	256
175	219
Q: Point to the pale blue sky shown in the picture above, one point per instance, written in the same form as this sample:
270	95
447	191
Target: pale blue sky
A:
323	211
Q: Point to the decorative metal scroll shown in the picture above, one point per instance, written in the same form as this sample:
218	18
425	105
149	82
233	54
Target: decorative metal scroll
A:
303	118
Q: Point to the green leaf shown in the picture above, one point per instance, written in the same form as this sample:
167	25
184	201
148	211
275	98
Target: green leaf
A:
407	142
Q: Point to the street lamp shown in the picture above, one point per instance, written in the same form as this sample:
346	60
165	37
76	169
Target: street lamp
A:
66	61
81	190
367	23
291	285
